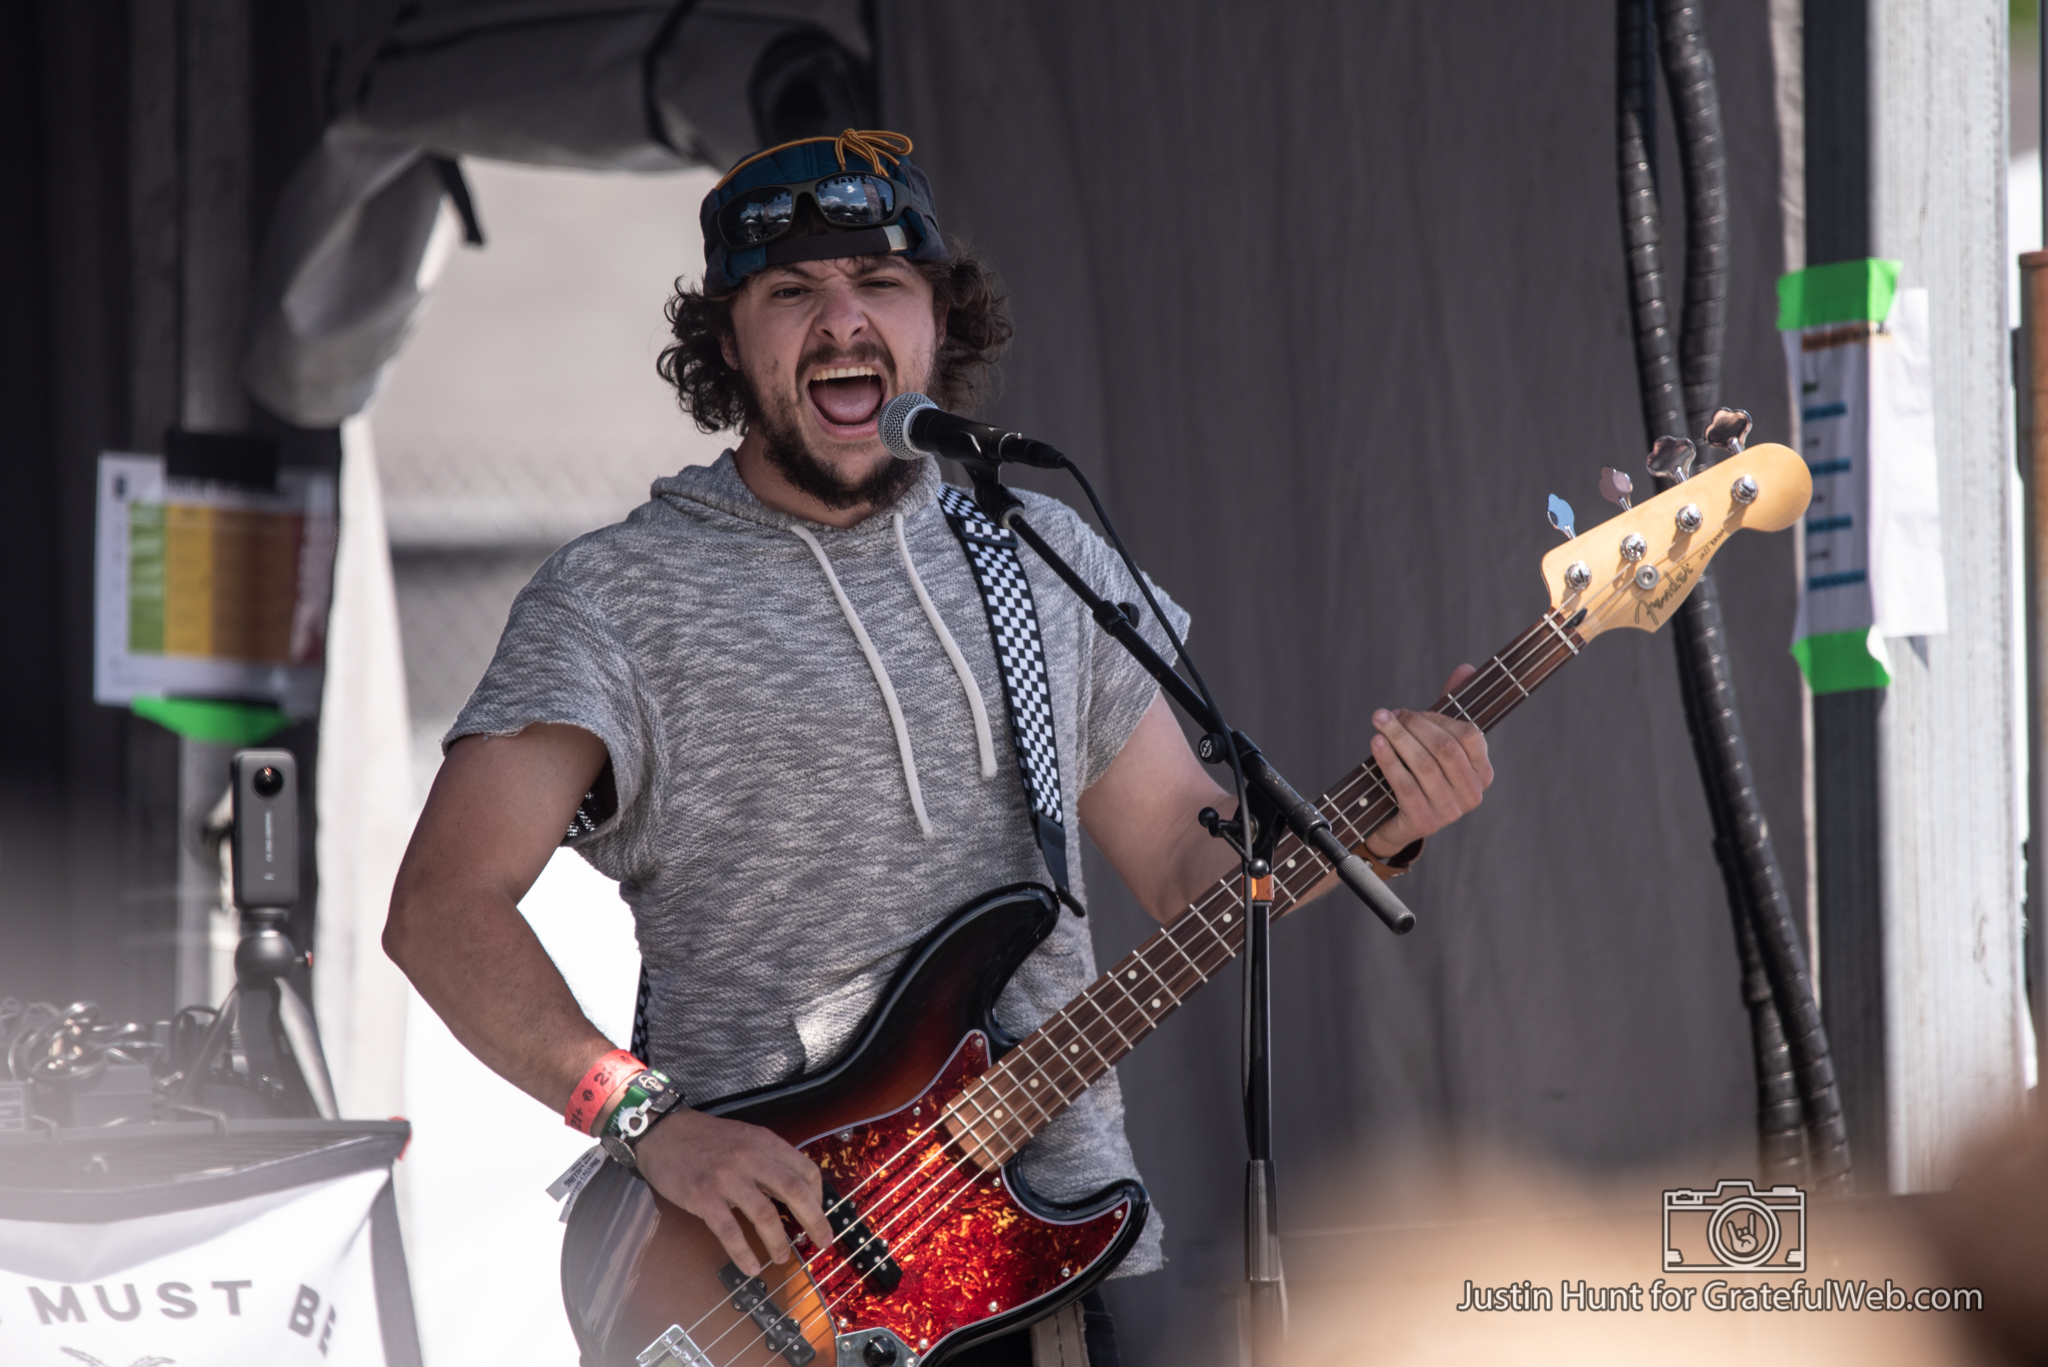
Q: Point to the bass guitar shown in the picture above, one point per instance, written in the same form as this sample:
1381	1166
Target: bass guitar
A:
916	1127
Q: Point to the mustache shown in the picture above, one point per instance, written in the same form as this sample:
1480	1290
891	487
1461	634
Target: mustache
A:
869	353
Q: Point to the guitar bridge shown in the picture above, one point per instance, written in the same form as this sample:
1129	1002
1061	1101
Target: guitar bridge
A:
779	1331
862	1247
672	1347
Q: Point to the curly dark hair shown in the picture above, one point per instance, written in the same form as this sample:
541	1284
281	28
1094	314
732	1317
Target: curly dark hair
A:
967	296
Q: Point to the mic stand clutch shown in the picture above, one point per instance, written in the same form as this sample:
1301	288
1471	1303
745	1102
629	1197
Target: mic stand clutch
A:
1271	801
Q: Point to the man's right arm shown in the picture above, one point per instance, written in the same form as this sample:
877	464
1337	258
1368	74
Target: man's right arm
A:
494	818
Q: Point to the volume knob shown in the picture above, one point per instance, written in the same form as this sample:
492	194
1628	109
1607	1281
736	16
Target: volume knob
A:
879	1352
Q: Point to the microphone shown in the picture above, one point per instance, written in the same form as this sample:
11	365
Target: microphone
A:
912	426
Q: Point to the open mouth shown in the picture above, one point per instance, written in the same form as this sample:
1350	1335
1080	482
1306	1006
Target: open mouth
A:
846	396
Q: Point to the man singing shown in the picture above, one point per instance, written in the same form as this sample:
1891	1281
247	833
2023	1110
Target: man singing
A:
767	703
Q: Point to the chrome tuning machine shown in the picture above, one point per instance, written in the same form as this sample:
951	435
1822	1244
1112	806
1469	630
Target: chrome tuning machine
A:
1671	458
1729	429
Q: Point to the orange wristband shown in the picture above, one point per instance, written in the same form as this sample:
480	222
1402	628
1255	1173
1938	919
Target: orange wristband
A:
594	1095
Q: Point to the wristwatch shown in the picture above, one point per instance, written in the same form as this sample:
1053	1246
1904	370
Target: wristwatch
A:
649	1097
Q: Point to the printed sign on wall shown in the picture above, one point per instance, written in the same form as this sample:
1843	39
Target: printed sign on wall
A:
206	590
1857	349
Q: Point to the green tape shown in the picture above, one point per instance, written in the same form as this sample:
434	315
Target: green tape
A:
1843	661
1840	292
216	723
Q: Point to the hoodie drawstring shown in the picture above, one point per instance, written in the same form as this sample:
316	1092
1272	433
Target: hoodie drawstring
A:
984	743
881	673
982	739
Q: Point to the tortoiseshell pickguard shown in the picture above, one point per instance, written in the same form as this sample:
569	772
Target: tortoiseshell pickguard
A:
969	1251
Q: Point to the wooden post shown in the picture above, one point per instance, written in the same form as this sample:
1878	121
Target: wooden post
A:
1917	785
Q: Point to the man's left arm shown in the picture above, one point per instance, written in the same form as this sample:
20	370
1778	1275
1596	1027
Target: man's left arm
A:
1141	812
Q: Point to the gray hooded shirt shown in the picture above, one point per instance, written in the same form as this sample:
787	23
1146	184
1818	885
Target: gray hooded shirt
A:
814	768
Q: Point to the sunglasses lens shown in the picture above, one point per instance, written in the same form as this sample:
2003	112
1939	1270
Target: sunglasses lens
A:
855	201
751	221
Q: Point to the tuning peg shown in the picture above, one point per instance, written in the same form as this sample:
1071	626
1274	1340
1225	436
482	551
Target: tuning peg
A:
1671	458
1729	429
1615	487
1561	517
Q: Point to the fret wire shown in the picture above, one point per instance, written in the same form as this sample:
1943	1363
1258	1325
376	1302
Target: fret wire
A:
1474	694
1498	702
1023	1086
1544	666
1508	670
969	1095
1218	936
1549	621
1110	1020
1166	934
1135	1005
1039	1068
1130	966
1059	1050
1491	693
1515	651
1082	1032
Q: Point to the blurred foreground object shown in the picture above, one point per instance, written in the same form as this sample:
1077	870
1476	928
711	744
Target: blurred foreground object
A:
1991	1230
1552	1272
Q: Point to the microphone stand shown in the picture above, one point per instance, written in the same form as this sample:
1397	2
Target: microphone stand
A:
1272	802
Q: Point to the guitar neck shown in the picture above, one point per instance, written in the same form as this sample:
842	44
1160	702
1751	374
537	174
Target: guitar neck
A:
1052	1066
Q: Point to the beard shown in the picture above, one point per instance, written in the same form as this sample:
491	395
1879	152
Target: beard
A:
783	442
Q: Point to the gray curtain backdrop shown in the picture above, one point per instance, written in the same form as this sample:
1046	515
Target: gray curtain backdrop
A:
1328	297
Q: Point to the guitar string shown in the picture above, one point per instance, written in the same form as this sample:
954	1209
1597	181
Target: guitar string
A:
981	1147
998	1134
1170	988
973	1143
1553	656
988	1083
1557	647
1145	1021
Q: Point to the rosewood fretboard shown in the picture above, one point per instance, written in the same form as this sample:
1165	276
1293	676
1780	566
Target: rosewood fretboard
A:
1061	1059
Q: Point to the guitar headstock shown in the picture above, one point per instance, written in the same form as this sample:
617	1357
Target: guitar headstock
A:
1634	569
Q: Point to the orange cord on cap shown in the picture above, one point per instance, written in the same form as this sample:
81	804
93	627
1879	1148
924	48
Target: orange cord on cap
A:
872	143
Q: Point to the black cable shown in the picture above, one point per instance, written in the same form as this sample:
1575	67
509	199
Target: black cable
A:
1180	652
1790	1063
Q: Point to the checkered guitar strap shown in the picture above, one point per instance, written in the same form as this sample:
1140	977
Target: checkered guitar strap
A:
1020	659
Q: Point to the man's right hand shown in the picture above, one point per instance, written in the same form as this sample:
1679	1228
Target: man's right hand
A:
721	1170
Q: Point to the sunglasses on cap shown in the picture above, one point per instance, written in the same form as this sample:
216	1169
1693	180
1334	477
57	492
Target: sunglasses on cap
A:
844	199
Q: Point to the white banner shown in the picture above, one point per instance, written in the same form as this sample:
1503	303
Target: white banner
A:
268	1281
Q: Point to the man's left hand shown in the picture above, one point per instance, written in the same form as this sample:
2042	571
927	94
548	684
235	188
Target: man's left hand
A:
1436	765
